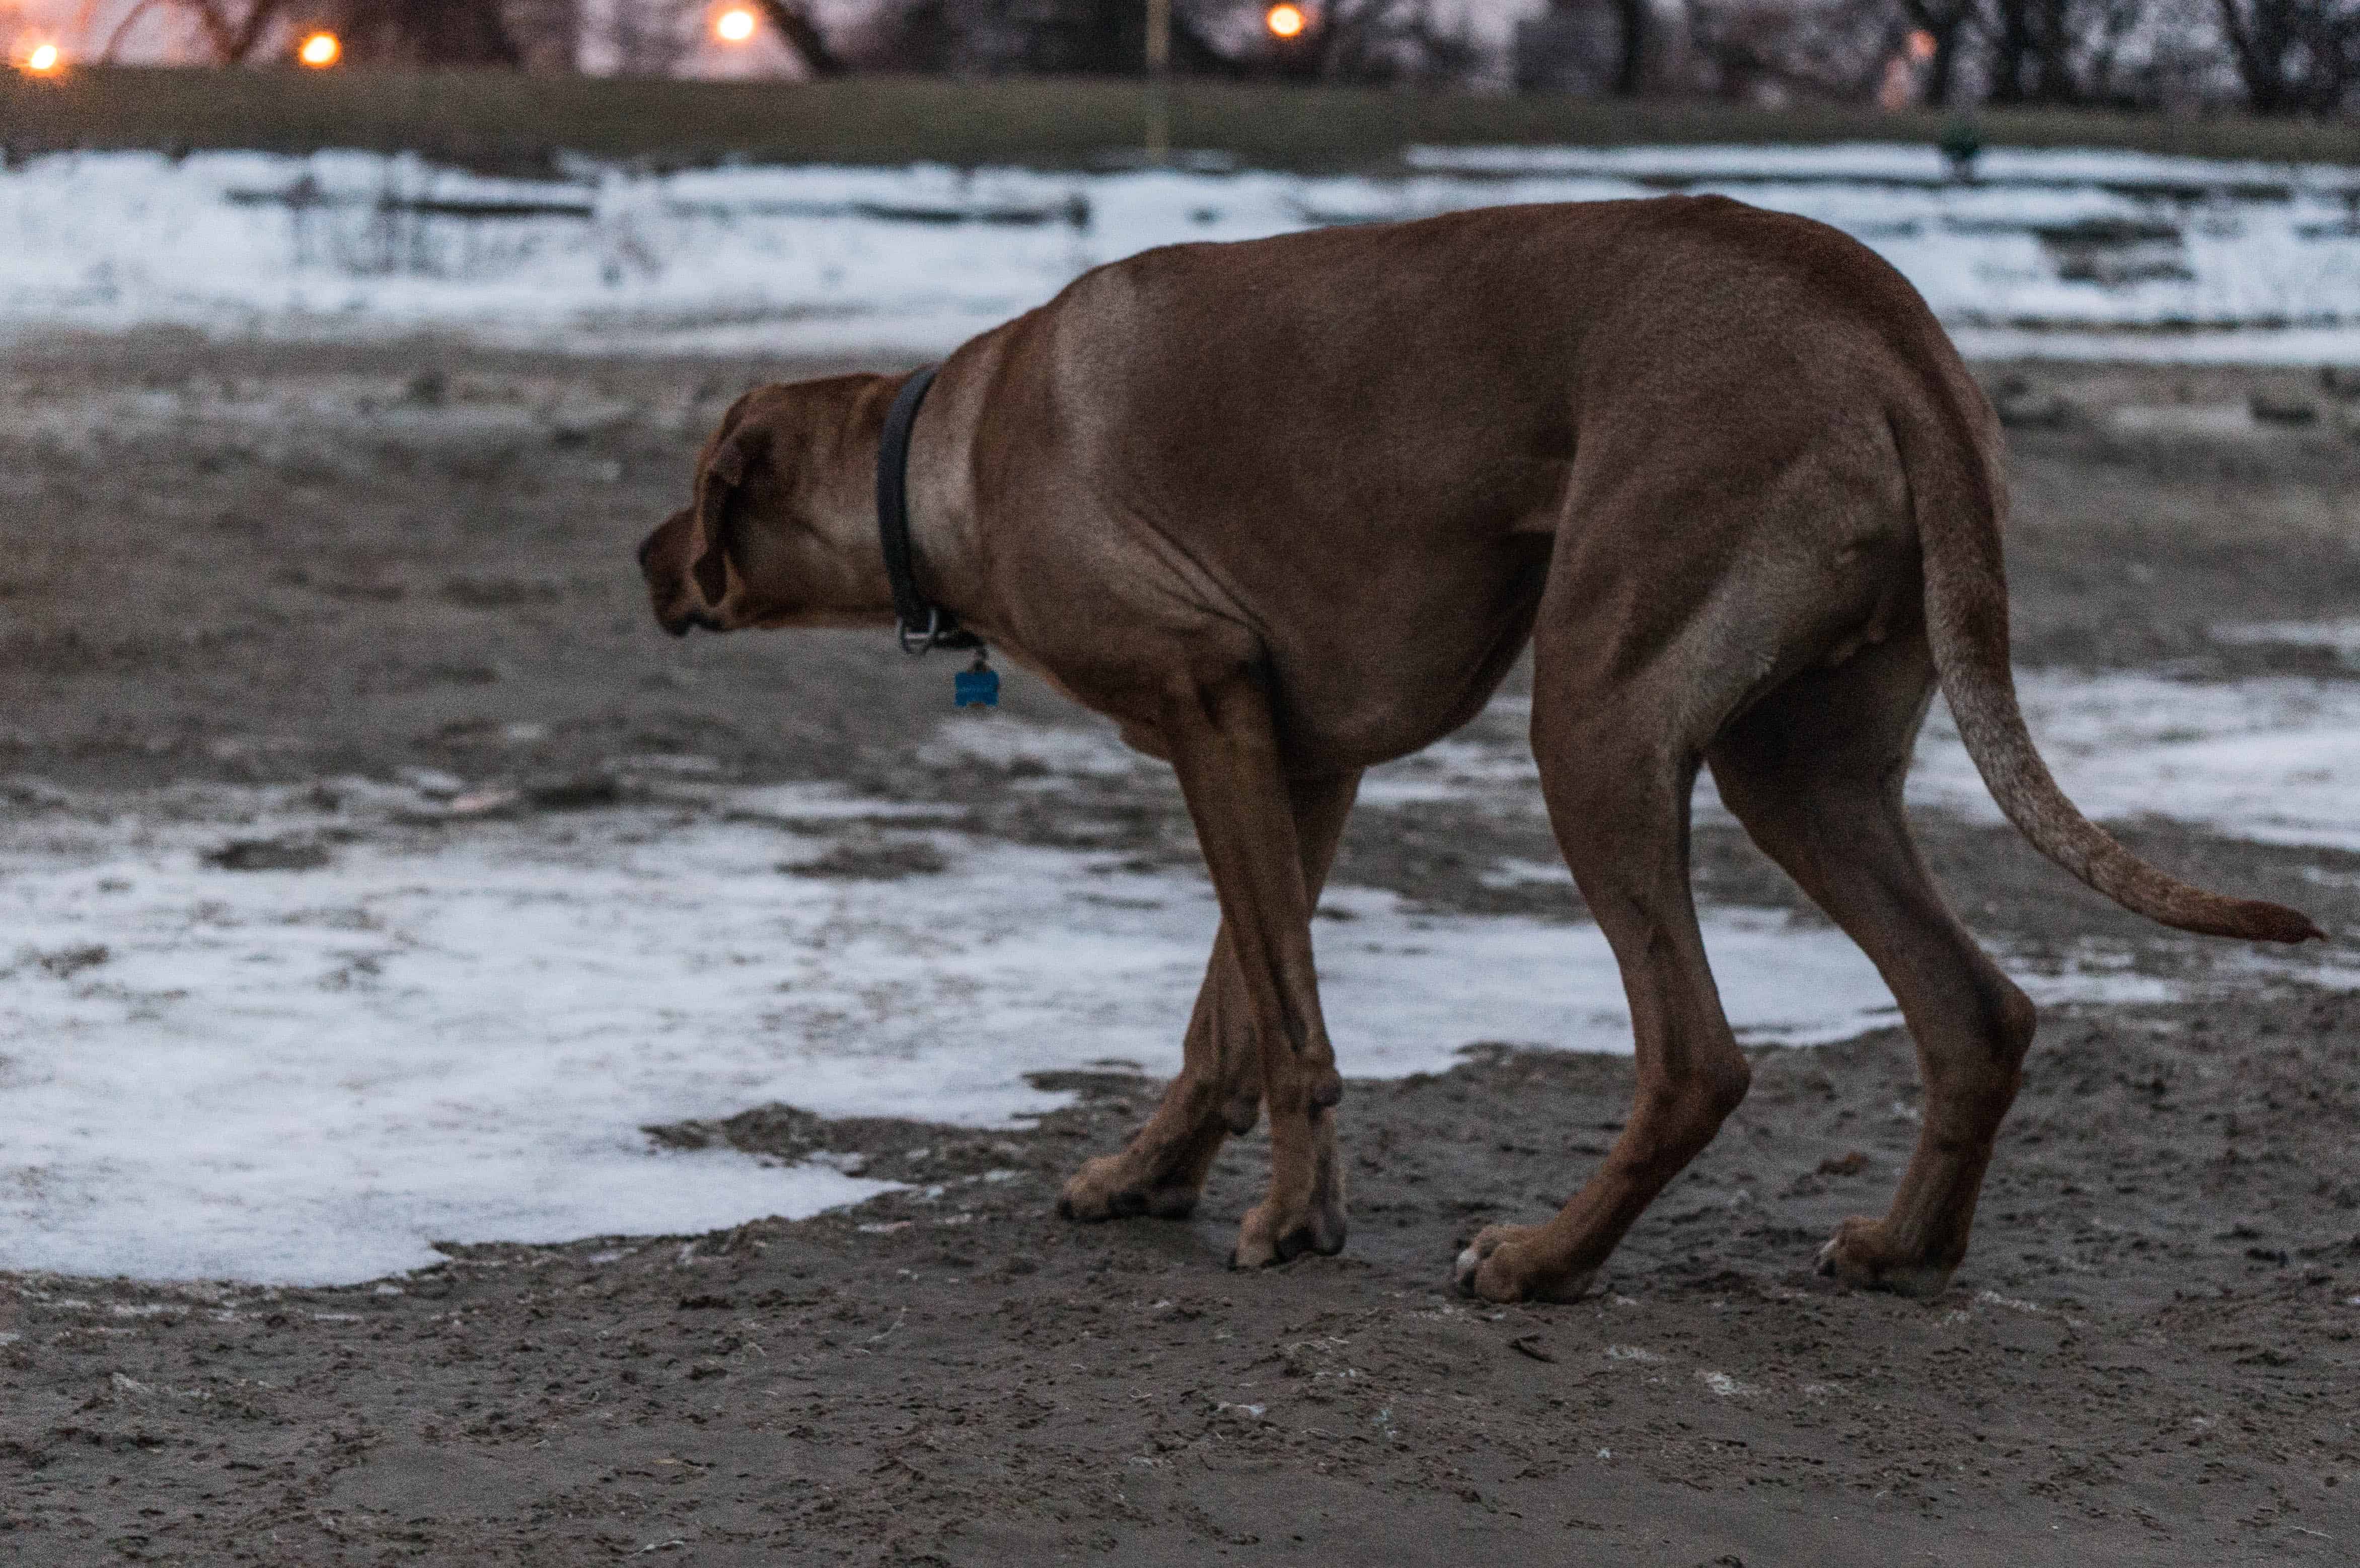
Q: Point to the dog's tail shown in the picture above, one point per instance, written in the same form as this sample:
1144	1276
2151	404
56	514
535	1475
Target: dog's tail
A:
1951	459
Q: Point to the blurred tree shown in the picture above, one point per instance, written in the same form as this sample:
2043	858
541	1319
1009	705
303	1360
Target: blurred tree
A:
1073	38
1636	20
548	33
1776	50
2103	29
2295	57
2029	39
1348	40
2076	52
792	21
648	38
231	33
908	36
425	32
2127	54
1571	45
1948	23
1373	41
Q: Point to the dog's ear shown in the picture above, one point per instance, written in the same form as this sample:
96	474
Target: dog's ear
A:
717	487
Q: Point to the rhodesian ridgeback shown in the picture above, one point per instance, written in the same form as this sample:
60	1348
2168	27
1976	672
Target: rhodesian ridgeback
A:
1287	508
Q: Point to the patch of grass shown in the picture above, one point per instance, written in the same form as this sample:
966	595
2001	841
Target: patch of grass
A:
496	120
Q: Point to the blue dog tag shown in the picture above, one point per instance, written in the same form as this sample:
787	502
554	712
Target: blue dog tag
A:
976	688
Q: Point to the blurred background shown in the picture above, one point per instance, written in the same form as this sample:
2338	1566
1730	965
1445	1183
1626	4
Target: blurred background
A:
2268	56
835	175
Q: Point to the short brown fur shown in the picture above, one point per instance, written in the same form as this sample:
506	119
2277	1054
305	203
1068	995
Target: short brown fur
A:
1289	508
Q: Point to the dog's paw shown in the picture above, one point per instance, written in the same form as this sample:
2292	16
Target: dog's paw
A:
1269	1235
1107	1188
1859	1254
1501	1265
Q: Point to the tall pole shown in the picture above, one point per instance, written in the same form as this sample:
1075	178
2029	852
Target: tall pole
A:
1158	82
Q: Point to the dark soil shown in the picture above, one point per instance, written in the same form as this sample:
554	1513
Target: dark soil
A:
290	563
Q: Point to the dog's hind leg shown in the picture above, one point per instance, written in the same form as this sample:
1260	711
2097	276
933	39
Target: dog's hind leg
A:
1162	1170
1620	719
1815	773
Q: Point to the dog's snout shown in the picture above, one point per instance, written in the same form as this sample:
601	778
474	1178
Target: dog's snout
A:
688	621
677	607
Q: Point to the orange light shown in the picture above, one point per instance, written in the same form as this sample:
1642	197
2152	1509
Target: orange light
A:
44	60
1286	21
1921	45
734	25
321	50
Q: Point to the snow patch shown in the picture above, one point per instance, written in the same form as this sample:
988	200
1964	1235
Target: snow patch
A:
2272	760
2082	252
454	1033
2341	638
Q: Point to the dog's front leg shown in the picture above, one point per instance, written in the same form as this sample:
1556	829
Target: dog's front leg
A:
1224	745
1162	1168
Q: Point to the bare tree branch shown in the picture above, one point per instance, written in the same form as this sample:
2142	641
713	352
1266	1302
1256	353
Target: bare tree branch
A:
793	23
229	39
123	29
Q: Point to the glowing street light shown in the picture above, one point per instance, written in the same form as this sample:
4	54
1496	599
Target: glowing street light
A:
734	25
45	60
1286	21
321	50
1921	45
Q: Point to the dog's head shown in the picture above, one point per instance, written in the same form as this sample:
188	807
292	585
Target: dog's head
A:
781	528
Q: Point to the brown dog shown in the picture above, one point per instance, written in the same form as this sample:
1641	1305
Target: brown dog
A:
1287	508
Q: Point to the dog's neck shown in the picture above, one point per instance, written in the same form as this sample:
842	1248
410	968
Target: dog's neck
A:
946	563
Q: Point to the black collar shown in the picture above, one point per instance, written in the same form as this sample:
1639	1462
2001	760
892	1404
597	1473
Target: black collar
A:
922	623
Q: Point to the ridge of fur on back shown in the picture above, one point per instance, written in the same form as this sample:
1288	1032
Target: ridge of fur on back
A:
1949	443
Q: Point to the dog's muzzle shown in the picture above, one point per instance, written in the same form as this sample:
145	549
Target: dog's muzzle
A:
678	608
692	620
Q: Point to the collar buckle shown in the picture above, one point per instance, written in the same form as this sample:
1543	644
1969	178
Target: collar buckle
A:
915	640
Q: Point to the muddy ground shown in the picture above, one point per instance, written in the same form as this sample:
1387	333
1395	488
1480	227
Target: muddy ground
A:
285	563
